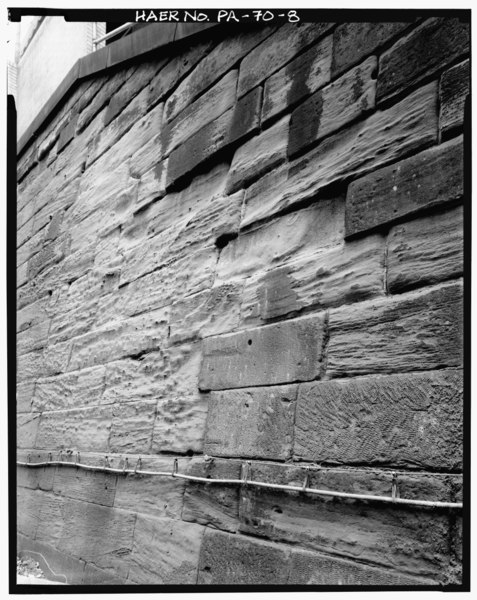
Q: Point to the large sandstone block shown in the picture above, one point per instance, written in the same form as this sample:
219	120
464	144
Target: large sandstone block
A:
328	109
50	254
94	576
206	108
299	78
290	236
454	89
143	333
24	396
354	41
384	137
418	331
280	353
27	429
311	568
400	420
342	275
34	478
412	541
165	551
233	125
422	52
181	408
214	505
235	559
426	250
259	155
150	495
33	338
30	366
98	534
88	486
276	51
214	65
253	422
75	429
423	181
131	426
210	312
69	390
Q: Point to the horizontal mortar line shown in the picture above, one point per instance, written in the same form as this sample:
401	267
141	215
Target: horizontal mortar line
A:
394	499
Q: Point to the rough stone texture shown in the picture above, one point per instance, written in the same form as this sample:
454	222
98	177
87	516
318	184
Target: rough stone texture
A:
88	486
214	505
259	155
384	137
280	353
341	275
400	420
239	560
131	426
353	41
206	108
413	542
78	429
260	422
329	109
27	428
425	251
454	89
213	66
276	51
310	568
423	181
419	331
299	78
425	50
24	396
287	237
165	551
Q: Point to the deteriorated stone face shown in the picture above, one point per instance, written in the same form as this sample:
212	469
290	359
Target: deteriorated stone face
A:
248	248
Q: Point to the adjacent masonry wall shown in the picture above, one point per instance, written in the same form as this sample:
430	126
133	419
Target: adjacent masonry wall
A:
249	249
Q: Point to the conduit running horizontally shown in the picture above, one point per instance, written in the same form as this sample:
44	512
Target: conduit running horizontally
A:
246	468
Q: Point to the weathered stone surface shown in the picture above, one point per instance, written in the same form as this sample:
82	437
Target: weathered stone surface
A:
165	551
33	338
56	358
258	422
214	505
147	494
454	89
400	420
94	576
175	70
353	41
425	50
425	180
279	353
71	390
411	541
131	426
152	186
205	109
418	331
88	486
213	66
210	139
383	137
310	568
328	109
98	534
210	312
67	132
50	254
299	78
276	51
31	315
76	429
259	155
55	565
34	478
126	337
246	119
343	275
27	521
181	409
22	275
30	247
241	560
148	155
24	396
287	237
30	366
426	250
27	428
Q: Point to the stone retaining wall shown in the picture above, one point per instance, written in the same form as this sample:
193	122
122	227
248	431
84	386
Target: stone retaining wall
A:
249	249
